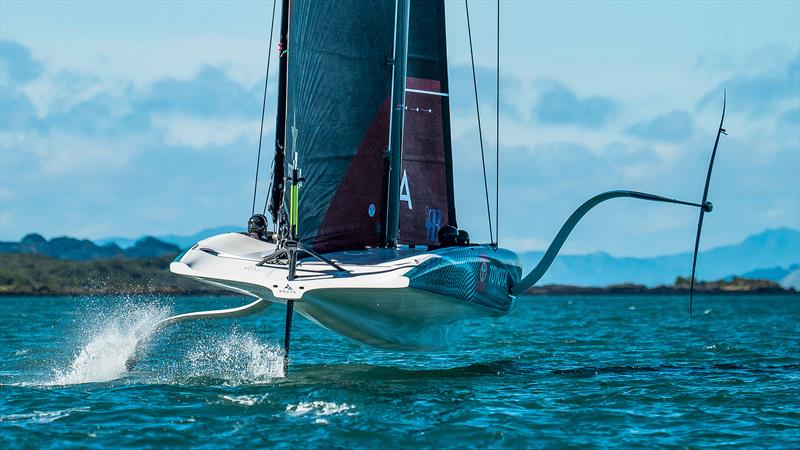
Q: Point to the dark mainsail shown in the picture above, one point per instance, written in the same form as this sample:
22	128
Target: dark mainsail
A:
339	83
338	100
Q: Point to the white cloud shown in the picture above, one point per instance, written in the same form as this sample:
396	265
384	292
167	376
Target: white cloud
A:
202	133
59	92
61	153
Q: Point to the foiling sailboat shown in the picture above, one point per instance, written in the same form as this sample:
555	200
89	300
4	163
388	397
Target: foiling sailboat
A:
363	238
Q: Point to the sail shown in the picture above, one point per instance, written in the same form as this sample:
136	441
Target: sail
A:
338	115
339	83
427	201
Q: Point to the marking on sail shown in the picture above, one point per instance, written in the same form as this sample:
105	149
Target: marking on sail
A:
294	137
418	109
420	91
405	192
433	221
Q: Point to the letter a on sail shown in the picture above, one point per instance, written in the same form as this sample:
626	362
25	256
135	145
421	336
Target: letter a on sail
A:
405	192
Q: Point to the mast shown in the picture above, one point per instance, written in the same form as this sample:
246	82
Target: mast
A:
398	102
276	198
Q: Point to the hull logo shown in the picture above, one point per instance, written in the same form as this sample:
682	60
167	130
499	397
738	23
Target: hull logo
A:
287	290
492	275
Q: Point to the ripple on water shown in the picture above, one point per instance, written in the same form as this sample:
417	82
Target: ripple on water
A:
546	376
40	417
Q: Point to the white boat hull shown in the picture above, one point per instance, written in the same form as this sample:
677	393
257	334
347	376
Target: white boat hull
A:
398	299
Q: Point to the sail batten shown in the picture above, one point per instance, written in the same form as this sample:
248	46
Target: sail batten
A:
422	91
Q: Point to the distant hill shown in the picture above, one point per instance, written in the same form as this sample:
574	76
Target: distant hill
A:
791	280
181	241
786	277
681	287
34	274
84	250
764	252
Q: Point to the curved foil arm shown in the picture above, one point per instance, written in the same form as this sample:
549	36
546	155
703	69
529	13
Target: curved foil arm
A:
538	272
239	311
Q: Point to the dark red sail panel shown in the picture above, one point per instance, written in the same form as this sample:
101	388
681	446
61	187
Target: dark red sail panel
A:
354	217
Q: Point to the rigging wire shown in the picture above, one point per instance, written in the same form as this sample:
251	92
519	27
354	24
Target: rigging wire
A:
497	137
480	132
263	109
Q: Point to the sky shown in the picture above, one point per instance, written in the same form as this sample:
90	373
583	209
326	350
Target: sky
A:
135	118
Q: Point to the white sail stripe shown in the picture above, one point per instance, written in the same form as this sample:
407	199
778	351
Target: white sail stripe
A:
420	91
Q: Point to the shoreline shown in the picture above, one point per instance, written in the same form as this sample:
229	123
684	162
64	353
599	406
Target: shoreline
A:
736	287
36	275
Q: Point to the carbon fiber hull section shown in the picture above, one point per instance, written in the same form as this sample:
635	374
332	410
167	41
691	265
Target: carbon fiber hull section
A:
477	275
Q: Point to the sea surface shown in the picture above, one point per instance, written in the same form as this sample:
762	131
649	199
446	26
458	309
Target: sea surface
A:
557	372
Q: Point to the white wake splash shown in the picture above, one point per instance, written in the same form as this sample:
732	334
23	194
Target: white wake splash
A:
237	358
111	342
320	409
111	339
245	400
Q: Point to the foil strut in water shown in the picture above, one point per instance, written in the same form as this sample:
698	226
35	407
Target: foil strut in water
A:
239	311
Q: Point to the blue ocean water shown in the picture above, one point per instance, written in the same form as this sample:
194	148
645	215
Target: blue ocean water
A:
557	372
